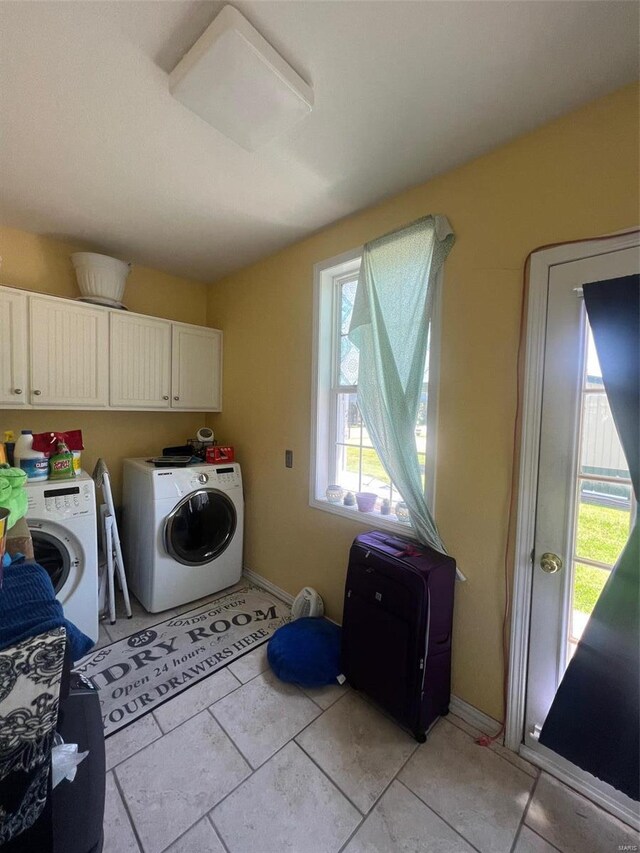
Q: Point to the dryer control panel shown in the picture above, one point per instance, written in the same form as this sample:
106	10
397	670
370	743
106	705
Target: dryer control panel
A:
221	478
226	477
178	482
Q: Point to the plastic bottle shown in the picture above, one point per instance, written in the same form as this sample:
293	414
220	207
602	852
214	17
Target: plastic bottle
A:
61	463
33	462
9	444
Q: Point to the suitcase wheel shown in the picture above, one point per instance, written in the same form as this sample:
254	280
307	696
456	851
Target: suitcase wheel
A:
420	736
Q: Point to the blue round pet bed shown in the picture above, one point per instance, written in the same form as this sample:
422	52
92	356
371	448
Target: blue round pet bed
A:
306	652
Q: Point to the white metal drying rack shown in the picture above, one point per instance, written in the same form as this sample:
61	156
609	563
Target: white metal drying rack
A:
111	540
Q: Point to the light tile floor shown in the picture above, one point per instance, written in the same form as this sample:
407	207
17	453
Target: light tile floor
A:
241	763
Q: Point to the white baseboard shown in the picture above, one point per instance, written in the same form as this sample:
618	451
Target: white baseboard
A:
258	580
473	716
462	709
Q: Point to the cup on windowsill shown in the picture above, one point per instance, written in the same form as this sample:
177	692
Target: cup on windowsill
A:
366	501
402	513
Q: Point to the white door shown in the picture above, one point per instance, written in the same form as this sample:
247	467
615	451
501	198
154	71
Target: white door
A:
69	349
196	368
140	361
13	348
585	503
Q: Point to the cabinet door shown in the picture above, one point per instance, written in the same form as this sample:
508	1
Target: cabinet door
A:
140	362
196	368
13	348
69	354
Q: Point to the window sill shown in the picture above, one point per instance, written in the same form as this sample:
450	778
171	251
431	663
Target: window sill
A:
367	519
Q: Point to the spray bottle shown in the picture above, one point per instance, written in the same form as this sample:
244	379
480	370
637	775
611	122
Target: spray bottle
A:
61	463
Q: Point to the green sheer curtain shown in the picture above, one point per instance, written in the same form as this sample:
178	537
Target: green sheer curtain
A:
390	327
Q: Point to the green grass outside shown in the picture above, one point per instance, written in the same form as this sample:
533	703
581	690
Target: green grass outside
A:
588	584
371	465
602	534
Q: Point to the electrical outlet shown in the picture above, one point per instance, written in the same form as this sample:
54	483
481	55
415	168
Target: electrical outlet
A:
288	459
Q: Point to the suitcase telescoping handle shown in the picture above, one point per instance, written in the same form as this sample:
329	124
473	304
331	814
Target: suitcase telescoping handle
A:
405	549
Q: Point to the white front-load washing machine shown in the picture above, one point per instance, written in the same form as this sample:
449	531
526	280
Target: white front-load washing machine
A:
61	516
182	531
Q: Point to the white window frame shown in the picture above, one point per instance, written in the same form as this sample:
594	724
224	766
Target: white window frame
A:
326	274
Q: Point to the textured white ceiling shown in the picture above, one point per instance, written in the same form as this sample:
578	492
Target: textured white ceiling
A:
94	149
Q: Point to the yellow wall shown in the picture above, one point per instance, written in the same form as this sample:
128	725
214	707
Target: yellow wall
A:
41	264
574	178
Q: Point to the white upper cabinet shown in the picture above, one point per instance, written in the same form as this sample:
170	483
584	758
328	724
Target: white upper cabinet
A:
69	354
57	353
14	389
140	362
196	368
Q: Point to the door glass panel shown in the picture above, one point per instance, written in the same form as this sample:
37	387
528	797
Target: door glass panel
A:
593	371
201	527
601	451
605	505
588	583
604	516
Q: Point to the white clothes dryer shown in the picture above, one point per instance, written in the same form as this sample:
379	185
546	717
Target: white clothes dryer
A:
61	516
182	531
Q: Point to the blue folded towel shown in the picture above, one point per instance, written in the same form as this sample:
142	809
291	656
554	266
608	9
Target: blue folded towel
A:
28	606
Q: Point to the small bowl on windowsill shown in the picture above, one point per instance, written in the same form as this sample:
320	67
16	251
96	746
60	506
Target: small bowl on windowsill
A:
334	493
366	501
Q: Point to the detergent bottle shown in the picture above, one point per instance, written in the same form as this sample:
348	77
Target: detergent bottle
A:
61	463
33	462
9	442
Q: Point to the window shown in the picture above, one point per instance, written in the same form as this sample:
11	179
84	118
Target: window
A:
342	453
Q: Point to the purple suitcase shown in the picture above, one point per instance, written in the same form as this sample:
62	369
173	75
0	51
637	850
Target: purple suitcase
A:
396	627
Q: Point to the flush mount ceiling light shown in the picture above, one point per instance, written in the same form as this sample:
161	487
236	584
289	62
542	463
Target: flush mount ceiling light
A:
235	81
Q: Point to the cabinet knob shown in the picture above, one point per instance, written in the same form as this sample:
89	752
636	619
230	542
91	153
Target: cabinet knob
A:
176	398
37	393
17	390
165	396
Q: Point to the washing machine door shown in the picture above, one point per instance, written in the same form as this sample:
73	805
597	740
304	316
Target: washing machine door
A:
201	527
59	553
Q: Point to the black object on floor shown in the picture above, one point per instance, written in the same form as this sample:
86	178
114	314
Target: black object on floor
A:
396	627
78	806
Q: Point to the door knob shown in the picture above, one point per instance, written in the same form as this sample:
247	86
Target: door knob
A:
165	396
176	398
550	563
37	393
17	390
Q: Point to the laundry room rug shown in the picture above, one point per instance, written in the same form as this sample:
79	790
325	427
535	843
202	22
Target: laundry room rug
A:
141	672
